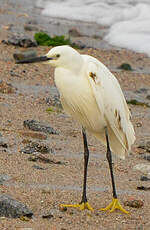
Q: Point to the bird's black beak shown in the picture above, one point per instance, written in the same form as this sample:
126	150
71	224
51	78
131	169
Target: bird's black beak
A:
34	60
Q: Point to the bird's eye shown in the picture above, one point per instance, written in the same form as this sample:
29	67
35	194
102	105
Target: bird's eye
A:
57	55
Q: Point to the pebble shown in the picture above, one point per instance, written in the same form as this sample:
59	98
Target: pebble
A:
144	188
43	159
33	147
146	157
20	41
3	178
24	55
145	145
144	178
125	66
136	99
3	144
39	126
47	216
38	167
10	207
134	203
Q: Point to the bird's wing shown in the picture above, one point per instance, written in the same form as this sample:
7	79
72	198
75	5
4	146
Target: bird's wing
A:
110	100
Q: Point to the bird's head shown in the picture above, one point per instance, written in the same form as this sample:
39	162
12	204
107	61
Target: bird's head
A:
59	56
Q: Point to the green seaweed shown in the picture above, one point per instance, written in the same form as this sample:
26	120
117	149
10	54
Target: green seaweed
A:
44	39
50	110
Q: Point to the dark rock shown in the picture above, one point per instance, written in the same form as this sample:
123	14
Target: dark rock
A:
148	97
135	99
3	144
144	178
47	216
20	41
134	203
144	188
13	208
43	159
3	178
24	55
36	147
141	90
54	101
125	66
146	157
39	126
145	145
37	167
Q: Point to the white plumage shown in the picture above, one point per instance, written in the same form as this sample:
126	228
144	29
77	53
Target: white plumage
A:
92	95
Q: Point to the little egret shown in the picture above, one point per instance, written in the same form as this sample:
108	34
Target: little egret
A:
91	94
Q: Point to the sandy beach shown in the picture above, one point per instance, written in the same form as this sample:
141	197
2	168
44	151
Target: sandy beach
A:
24	95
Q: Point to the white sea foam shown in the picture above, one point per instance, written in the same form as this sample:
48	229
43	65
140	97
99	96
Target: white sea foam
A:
128	20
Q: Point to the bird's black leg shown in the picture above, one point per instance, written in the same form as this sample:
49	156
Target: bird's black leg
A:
86	159
84	203
115	204
109	158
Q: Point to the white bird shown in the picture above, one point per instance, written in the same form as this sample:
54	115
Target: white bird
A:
91	94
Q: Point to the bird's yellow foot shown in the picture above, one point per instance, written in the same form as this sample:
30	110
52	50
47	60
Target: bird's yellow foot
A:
81	206
115	204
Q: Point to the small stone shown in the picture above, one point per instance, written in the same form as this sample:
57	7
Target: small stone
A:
24	55
144	178
38	167
33	147
148	97
47	216
3	144
10	207
125	66
39	126
145	145
21	41
138	124
43	159
141	90
146	157
3	178
134	203
62	209
144	188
